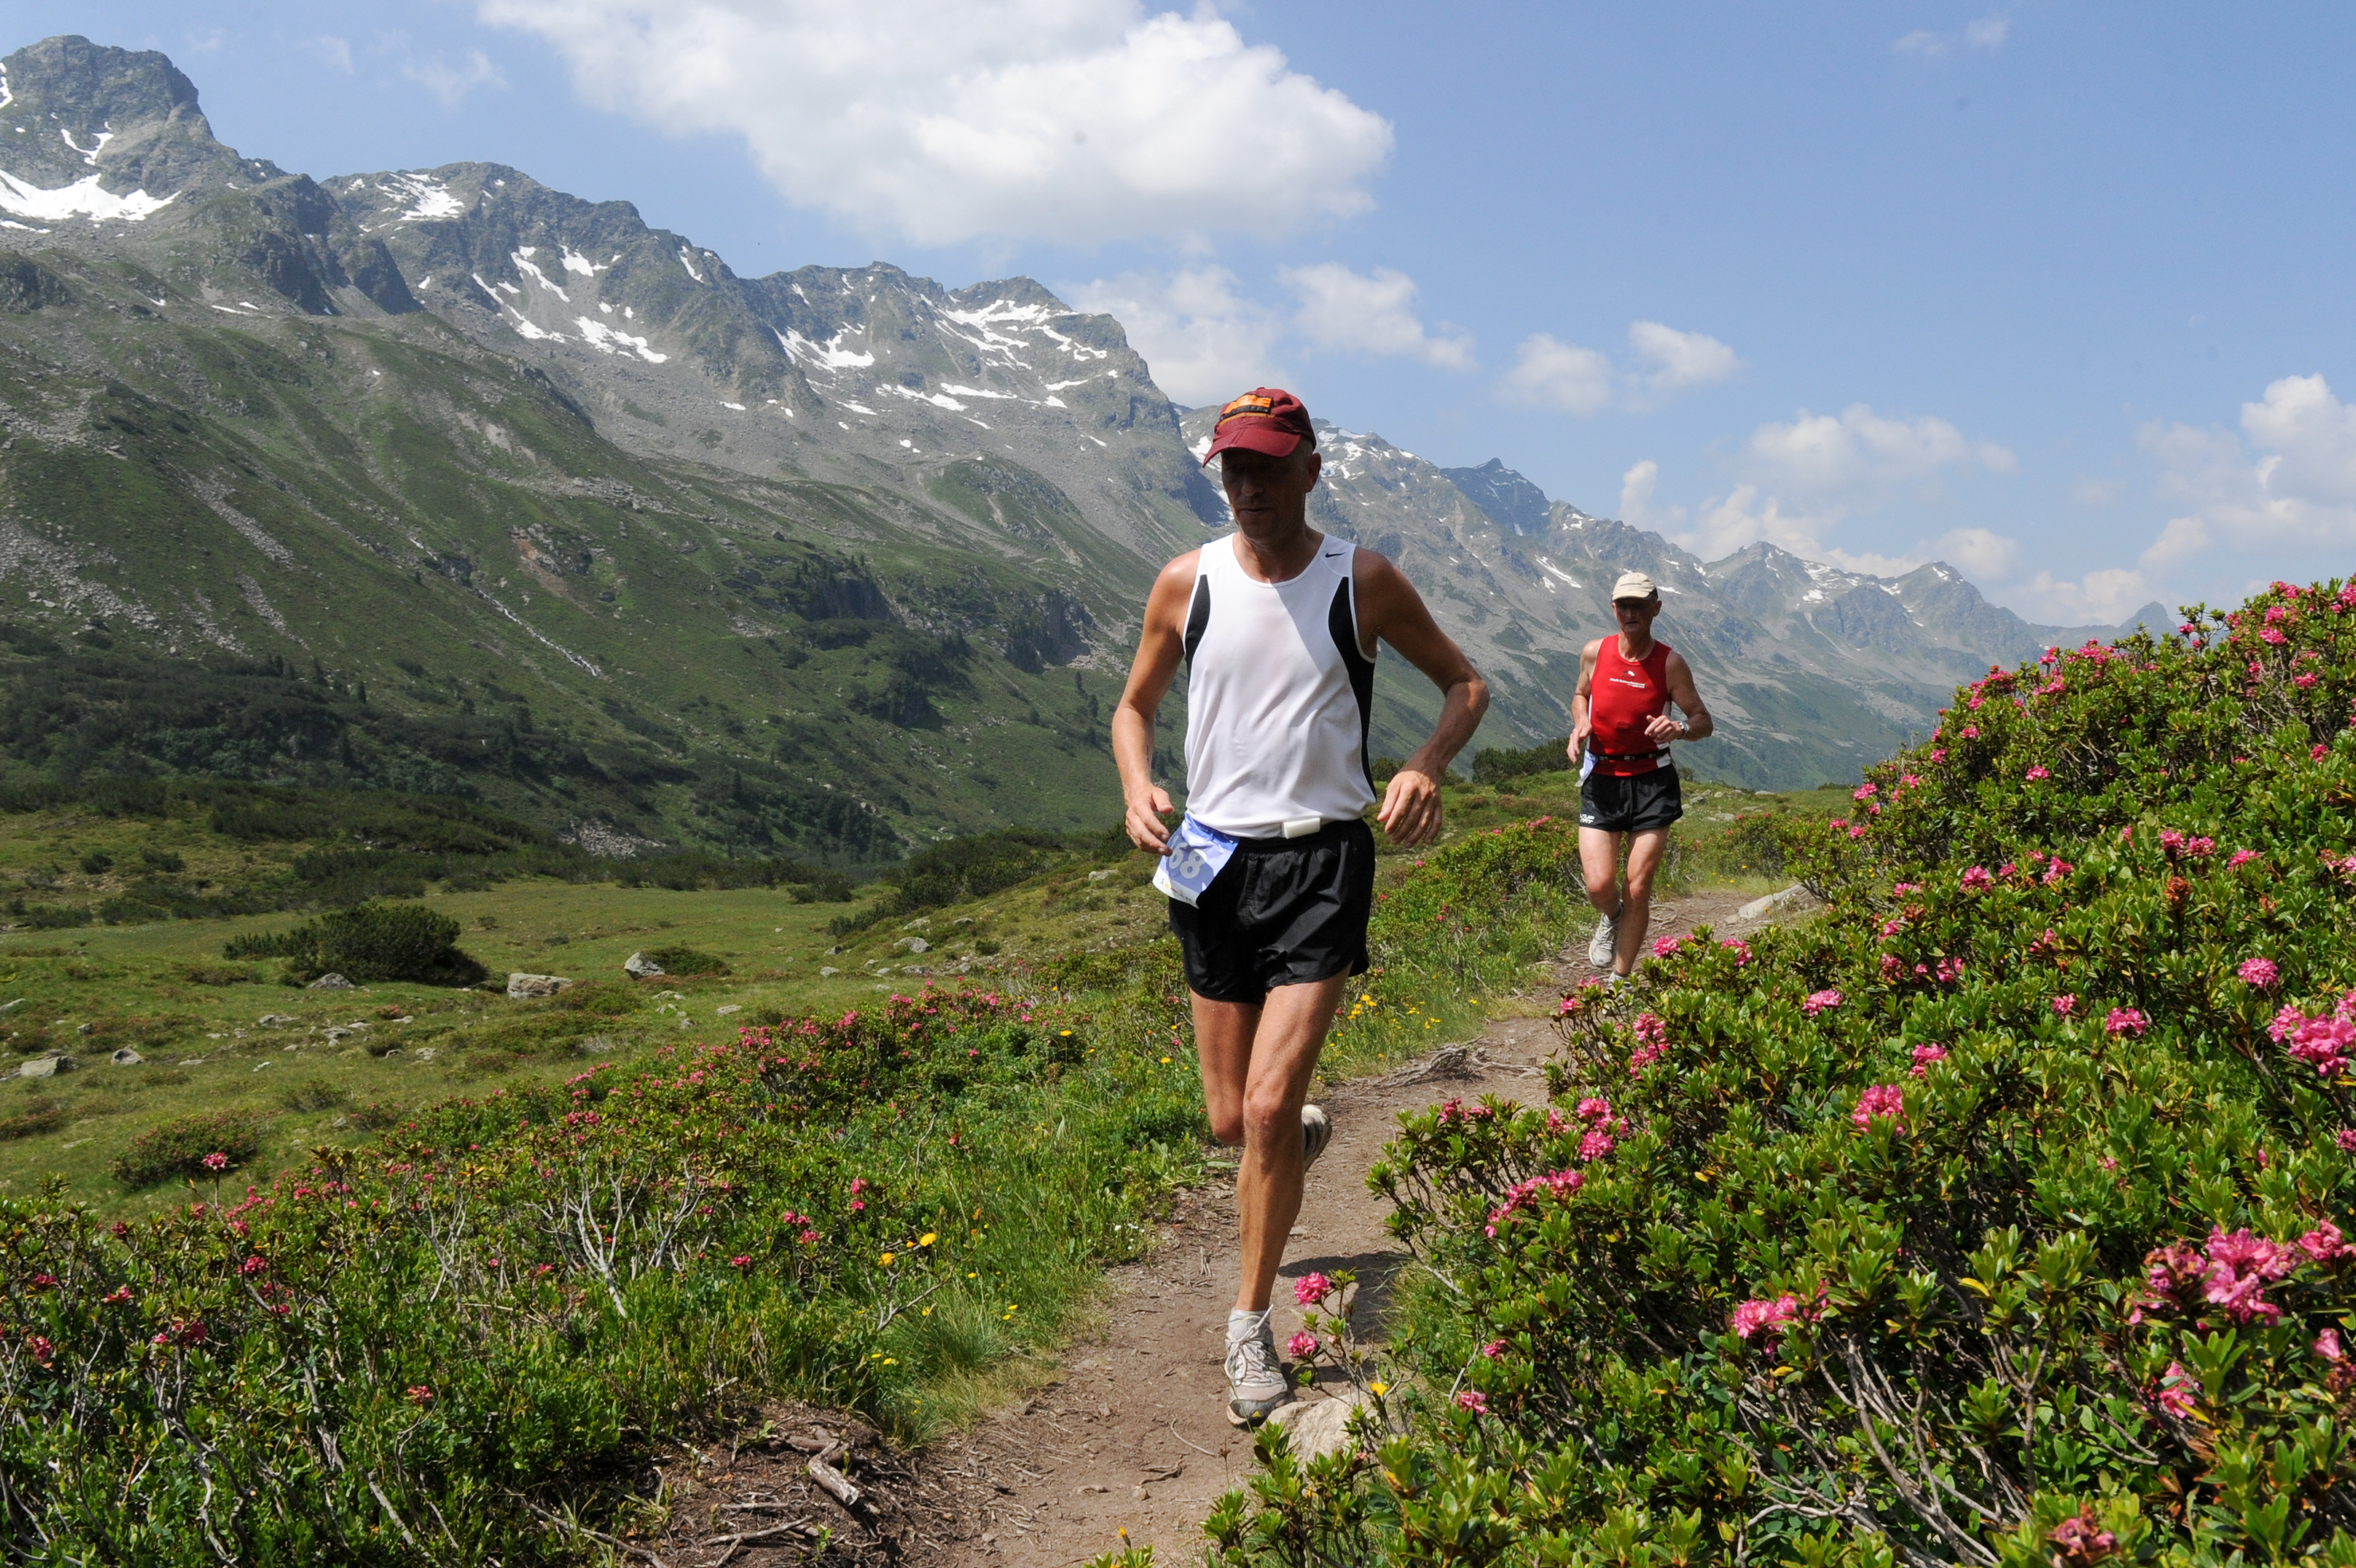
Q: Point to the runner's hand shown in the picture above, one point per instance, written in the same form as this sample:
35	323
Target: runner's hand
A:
1144	823
1579	733
1410	812
1664	727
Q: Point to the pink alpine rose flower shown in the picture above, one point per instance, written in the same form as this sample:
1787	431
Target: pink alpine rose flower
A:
1300	1345
2126	1021
1474	1401
2259	973
2065	1004
1926	1056
1884	1100
1821	1001
1311	1289
1977	880
2176	1390
2037	774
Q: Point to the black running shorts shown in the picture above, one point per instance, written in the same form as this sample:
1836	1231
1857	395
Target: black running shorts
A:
1281	912
1631	805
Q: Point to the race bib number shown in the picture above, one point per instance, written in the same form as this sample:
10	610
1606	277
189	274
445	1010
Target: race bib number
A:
1197	854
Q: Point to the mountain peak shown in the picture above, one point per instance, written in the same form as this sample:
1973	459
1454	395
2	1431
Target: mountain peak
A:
1517	505
117	120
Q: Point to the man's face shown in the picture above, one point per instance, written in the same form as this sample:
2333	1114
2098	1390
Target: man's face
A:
1268	493
1636	615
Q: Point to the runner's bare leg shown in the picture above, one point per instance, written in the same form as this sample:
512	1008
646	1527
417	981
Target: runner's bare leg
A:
1256	1066
1645	851
1599	862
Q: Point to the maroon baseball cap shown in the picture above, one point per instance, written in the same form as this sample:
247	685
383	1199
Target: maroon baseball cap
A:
1266	419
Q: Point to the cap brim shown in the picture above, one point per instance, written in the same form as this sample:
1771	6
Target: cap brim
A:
1253	435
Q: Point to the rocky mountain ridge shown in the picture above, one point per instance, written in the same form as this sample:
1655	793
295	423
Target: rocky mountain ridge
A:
828	560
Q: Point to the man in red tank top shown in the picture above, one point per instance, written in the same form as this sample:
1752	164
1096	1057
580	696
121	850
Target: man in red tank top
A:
1620	734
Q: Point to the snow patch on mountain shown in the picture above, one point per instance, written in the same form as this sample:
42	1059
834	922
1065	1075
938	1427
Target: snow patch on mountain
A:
524	265
89	154
938	400
427	199
83	198
607	340
831	355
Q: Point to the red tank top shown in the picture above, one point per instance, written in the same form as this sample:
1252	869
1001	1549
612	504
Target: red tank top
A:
1627	695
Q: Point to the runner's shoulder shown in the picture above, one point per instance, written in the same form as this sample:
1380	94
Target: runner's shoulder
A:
1179	575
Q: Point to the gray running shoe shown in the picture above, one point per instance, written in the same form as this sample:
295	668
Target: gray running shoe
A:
1605	942
1316	1131
1255	1382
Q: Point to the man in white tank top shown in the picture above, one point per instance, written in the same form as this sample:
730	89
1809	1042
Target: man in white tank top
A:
1271	873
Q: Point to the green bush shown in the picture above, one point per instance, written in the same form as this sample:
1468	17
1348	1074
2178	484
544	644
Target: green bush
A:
178	1148
369	943
687	962
37	1116
1494	765
1998	1216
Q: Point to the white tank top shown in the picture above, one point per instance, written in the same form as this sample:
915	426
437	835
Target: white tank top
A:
1277	694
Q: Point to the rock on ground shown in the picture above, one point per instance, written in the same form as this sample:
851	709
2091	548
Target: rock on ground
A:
524	987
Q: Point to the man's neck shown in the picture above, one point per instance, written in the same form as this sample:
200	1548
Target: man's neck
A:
1636	647
1279	557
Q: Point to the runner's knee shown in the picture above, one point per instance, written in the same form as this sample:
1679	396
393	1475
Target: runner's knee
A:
1227	1126
1267	1115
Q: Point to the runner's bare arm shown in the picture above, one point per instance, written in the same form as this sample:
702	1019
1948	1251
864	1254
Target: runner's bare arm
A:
1390	610
1582	700
1160	644
1679	677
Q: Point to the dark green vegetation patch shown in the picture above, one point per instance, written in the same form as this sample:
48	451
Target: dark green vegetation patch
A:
369	942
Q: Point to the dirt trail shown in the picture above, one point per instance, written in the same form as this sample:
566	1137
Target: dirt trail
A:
1135	1435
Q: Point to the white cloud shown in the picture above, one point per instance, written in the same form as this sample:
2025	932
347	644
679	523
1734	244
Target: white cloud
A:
1581	380
1979	552
1203	343
1800	481
1636	507
1678	360
1370	314
329	51
1559	375
2289	477
451	83
1861	453
2099	599
939	121
1988	33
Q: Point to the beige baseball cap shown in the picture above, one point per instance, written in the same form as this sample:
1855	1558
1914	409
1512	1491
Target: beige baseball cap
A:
1635	585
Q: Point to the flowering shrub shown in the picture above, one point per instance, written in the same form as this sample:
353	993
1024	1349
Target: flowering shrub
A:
205	1143
2027	1251
424	1349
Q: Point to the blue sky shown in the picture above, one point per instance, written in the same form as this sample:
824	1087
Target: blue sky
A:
2058	293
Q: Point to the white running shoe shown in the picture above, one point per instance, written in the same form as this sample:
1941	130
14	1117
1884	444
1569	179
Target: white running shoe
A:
1602	947
1316	1131
1257	1385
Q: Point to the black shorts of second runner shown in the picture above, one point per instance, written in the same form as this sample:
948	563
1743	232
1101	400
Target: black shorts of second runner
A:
1281	912
1631	805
